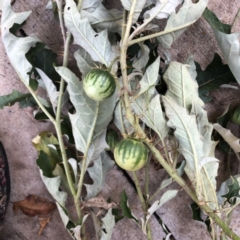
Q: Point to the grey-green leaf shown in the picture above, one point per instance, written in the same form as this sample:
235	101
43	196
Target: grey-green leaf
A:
150	77
15	44
138	8
84	61
98	174
73	231
230	47
90	5
96	147
108	225
120	119
167	8
50	88
143	56
181	87
192	70
186	131
151	113
209	174
232	140
52	185
86	110
103	19
204	127
96	44
167	196
187	15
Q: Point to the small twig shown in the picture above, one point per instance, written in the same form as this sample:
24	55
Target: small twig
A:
142	39
146	22
147	175
60	15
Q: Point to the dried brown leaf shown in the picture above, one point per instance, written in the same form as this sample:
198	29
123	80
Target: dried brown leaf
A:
100	203
33	205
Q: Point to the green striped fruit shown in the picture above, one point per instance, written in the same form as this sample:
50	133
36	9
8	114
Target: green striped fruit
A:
99	84
112	139
235	118
130	154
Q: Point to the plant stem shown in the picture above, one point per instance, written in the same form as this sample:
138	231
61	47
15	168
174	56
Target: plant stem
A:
142	39
228	162
143	203
123	57
111	64
124	24
121	117
147	21
57	123
60	15
51	118
147	175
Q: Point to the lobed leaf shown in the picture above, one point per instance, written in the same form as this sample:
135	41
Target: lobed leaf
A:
186	131
98	174
90	6
182	89
204	127
192	70
150	112
52	185
228	43
229	191
143	56
50	88
15	44
108	223
230	47
167	8
188	14
120	119
96	148
167	196
228	137
44	59
96	44
125	207
196	215
209	173
102	19
84	61
150	77
138	7
74	230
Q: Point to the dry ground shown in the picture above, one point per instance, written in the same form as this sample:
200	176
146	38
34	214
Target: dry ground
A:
18	128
